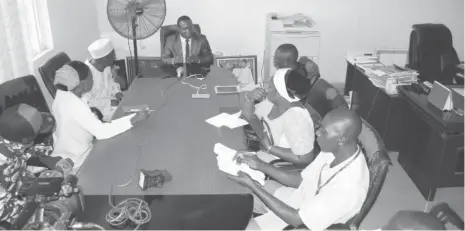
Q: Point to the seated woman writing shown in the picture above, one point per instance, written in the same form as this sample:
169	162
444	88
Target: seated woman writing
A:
77	125
291	128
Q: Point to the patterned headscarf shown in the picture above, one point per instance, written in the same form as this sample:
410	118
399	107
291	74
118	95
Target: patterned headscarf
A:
67	76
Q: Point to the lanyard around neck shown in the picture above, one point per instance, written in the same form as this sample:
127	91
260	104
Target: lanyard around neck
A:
334	175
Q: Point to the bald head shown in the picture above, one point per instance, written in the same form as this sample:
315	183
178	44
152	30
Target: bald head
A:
339	128
286	56
347	122
414	220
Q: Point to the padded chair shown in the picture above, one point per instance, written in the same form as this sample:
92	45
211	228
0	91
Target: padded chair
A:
432	54
23	90
48	69
324	97
169	30
447	215
378	163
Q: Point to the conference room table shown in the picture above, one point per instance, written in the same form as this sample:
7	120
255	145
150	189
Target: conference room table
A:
177	138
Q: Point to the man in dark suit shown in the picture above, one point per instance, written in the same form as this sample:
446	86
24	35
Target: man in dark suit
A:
187	46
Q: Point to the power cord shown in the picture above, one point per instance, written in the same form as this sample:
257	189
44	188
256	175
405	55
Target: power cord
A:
203	86
133	209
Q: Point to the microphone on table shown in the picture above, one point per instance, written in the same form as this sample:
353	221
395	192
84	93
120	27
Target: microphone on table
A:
179	71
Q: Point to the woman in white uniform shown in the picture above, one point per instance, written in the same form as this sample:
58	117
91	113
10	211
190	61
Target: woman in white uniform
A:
77	125
282	123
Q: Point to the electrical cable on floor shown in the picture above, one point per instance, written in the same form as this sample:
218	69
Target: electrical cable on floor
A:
133	209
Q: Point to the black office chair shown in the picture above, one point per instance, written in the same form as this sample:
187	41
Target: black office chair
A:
378	164
169	30
48	69
432	54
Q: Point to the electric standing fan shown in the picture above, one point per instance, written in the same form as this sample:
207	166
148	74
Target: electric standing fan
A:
136	19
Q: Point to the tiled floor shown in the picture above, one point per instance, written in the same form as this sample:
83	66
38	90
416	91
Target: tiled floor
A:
399	193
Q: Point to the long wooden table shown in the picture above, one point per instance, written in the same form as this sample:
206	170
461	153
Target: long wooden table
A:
175	137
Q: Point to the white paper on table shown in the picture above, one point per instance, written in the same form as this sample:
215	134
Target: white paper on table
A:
225	119
219	120
235	122
237	114
228	165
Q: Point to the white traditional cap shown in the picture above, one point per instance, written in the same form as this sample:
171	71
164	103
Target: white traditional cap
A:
279	81
100	48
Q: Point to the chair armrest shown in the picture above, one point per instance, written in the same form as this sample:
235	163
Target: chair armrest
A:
371	197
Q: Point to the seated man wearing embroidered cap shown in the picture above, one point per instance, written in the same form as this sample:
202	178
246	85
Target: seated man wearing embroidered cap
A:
19	127
106	92
331	190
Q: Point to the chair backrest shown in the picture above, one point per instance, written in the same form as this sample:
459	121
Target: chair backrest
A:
324	97
432	54
22	90
169	30
48	69
378	162
447	215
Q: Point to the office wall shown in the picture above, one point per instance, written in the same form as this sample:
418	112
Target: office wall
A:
74	27
238	27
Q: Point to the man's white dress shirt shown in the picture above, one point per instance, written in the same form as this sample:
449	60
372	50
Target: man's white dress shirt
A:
337	201
183	44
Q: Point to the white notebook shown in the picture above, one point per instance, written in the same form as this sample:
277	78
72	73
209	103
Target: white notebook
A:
227	165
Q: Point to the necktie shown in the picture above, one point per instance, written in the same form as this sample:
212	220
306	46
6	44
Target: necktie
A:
188	49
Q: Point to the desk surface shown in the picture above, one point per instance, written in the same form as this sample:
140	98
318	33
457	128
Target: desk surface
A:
447	120
175	138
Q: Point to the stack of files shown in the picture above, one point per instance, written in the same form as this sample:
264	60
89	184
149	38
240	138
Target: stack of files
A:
361	58
368	66
228	120
226	164
385	74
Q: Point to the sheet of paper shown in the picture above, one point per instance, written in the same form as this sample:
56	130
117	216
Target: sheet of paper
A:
219	120
225	119
237	114
227	165
234	122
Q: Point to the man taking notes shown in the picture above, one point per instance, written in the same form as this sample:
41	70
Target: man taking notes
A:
106	93
187	46
331	190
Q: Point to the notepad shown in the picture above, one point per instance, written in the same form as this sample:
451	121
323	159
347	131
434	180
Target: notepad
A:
226	164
